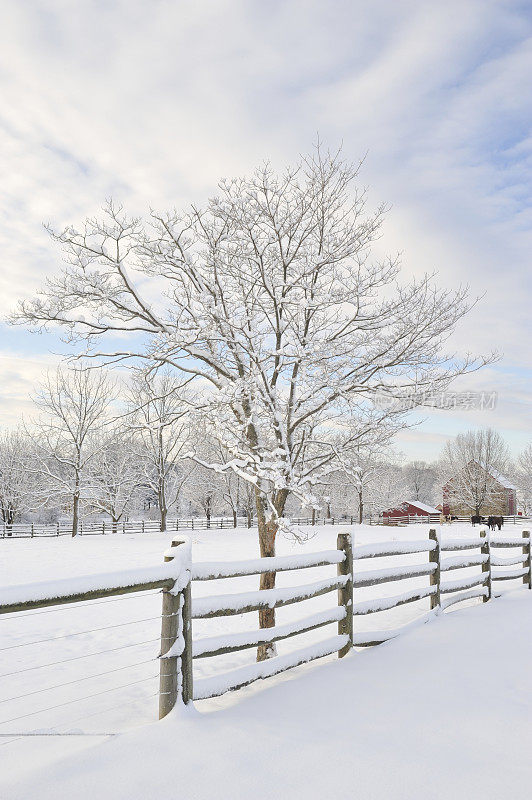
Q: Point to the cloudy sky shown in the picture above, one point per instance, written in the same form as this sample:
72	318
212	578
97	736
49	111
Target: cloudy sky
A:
152	102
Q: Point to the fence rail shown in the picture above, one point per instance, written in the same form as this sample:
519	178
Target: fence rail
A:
30	530
432	519
224	605
179	649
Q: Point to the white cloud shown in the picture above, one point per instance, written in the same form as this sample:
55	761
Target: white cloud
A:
153	101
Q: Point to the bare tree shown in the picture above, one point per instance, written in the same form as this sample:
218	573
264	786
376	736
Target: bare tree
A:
420	479
362	465
206	487
270	301
159	422
75	405
15	485
359	469
115	475
247	498
386	489
472	464
232	485
524	478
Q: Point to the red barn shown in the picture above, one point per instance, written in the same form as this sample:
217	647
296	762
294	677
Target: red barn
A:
411	508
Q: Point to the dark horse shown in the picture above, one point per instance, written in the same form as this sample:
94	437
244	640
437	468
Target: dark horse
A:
476	519
495	522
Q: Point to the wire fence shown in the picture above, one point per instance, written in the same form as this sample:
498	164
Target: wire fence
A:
39	691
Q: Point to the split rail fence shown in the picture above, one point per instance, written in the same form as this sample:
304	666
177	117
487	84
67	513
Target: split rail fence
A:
179	649
30	530
435	519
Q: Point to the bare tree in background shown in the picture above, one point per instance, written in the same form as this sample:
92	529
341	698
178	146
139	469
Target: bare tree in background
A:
115	475
524	478
75	406
387	489
270	301
359	469
205	487
232	485
472	464
361	465
159	422
420	479
15	485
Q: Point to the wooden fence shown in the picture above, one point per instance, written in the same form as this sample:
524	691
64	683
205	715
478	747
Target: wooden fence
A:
30	530
172	578
441	593
179	649
432	519
27	530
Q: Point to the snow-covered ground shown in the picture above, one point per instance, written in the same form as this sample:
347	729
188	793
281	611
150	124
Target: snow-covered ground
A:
442	712
453	689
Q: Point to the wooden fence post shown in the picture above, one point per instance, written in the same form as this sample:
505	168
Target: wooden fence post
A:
526	552
173	606
435	577
187	686
345	593
486	566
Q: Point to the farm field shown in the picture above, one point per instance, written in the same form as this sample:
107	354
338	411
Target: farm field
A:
106	651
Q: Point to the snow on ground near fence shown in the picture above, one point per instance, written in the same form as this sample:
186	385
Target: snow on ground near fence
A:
108	648
444	711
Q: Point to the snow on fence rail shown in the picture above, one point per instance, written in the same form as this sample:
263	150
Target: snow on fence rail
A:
456	591
223	605
174	578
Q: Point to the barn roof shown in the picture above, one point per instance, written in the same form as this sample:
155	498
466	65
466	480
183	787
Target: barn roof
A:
498	476
422	506
501	479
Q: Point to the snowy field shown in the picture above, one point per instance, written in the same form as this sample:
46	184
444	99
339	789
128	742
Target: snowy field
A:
315	707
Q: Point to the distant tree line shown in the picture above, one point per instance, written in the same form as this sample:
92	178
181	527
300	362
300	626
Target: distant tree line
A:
140	449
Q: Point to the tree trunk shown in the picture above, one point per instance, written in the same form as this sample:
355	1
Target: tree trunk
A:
115	524
360	508
267	533
75	514
235	521
164	513
313	515
268	525
249	517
